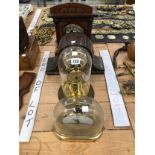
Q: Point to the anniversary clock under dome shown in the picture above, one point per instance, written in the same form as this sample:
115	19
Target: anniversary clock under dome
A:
77	116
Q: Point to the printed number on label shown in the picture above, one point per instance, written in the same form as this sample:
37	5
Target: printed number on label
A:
75	61
74	53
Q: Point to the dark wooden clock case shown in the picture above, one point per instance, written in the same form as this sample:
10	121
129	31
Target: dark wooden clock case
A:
78	14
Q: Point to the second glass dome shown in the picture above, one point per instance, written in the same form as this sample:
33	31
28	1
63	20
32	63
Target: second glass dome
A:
78	118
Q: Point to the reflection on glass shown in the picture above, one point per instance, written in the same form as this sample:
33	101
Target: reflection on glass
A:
78	118
75	69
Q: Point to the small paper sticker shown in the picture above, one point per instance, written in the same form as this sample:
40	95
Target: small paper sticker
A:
75	61
85	109
73	41
74	53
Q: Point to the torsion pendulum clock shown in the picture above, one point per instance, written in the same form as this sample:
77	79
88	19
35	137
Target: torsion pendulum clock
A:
77	116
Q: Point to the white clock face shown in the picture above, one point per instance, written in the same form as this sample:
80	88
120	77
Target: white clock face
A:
78	119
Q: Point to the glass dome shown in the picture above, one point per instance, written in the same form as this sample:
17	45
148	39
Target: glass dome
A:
75	69
71	28
78	118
